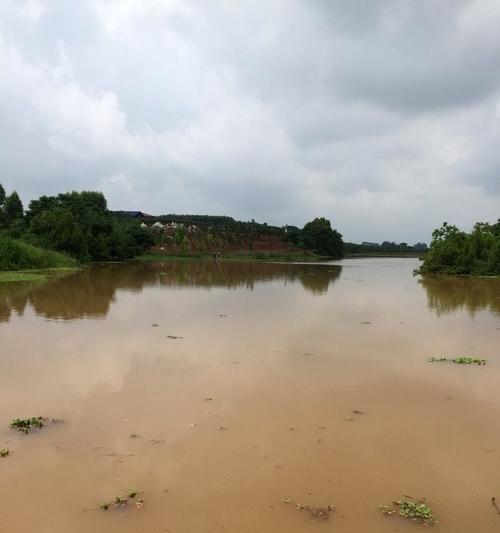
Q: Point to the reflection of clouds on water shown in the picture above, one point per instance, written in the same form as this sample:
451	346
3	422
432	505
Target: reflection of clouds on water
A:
446	294
90	292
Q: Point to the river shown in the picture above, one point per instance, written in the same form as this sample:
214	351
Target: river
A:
218	389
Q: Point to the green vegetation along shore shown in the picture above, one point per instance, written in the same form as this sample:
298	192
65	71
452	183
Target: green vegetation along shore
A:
16	254
456	252
75	228
64	231
274	256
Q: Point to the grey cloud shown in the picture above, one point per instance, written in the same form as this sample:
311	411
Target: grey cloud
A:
375	113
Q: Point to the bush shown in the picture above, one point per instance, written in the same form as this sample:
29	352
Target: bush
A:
19	255
456	252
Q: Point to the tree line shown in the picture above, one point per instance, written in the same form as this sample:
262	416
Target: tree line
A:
78	224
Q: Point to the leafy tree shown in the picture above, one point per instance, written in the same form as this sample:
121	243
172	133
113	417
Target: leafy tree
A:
319	236
455	252
2	200
13	208
293	235
79	224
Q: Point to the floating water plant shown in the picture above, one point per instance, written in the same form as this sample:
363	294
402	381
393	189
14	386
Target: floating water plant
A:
321	513
416	510
463	360
27	425
121	501
4	452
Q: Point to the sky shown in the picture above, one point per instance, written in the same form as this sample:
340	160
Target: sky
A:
381	115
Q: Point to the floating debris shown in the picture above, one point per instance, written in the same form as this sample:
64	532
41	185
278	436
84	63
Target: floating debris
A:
134	436
221	428
365	323
321	513
495	505
416	510
121	501
464	360
153	441
4	452
208	399
358	412
155	325
173	337
27	425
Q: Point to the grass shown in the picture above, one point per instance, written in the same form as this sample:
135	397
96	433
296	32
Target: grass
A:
17	255
171	257
271	256
34	275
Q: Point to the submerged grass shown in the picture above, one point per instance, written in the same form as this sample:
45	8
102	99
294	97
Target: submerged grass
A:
4	452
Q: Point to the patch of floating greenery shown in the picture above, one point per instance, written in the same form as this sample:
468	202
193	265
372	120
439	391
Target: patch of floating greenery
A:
27	425
34	275
464	360
4	452
321	513
121	501
416	510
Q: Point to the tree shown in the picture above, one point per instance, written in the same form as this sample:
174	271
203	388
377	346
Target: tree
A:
79	224
13	208
455	252
2	200
319	236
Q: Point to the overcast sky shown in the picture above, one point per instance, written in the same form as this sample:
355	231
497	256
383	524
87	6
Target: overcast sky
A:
382	115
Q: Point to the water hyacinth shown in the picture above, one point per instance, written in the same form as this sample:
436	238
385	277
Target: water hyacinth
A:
416	510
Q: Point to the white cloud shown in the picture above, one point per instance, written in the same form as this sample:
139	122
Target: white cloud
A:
384	119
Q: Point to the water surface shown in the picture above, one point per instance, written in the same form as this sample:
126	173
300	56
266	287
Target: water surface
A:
276	354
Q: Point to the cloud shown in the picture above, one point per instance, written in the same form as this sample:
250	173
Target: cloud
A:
382	116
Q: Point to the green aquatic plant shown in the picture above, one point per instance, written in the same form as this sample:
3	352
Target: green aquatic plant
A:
4	452
416	510
121	501
463	360
26	425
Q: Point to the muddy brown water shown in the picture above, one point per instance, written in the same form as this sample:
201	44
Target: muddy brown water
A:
285	353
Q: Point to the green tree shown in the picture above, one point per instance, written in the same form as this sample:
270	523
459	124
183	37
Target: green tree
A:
319	236
2	200
456	252
13	208
79	224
